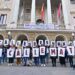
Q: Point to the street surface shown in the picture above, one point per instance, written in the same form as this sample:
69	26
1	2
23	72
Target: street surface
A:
20	70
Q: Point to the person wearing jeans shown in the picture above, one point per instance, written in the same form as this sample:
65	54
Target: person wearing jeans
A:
42	56
36	61
0	60
25	61
1	55
47	54
36	58
4	54
25	58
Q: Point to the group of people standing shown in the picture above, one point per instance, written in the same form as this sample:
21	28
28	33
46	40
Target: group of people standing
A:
41	60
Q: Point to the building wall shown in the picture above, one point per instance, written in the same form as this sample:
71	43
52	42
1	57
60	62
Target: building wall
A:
31	35
6	7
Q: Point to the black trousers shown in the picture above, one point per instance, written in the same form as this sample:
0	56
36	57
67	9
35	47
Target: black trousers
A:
53	61
62	61
11	60
71	61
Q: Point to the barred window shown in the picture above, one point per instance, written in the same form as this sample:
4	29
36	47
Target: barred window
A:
3	18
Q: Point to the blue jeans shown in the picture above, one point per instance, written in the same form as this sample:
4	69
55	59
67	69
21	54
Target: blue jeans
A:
42	59
25	61
0	60
36	61
47	58
4	58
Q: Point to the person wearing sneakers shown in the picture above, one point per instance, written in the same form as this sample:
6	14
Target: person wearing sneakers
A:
42	55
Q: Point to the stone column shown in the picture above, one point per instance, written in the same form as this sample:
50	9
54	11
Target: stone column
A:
33	12
49	13
66	13
14	14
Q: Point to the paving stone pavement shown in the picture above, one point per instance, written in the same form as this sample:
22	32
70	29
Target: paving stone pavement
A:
20	70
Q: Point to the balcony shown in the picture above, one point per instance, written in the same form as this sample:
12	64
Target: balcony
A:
43	27
35	27
3	26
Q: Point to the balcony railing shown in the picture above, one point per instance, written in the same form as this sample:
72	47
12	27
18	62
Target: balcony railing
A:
40	27
44	27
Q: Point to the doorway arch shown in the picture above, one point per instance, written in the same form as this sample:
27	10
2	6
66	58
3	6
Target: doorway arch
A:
60	38
22	37
41	37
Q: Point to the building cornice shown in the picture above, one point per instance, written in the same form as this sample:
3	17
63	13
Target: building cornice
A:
26	30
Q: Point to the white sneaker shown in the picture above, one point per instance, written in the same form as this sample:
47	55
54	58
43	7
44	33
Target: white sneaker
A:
41	64
9	64
44	65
